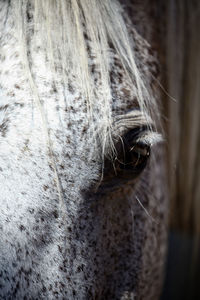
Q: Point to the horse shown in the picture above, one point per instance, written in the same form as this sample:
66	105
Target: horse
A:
84	203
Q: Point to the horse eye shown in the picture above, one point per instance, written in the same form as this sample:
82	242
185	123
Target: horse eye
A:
132	154
132	158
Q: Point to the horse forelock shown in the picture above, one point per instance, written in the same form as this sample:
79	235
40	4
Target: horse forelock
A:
82	40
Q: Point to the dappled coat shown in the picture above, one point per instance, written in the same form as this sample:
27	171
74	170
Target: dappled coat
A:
83	199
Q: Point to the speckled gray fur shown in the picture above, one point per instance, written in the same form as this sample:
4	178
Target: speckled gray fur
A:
102	247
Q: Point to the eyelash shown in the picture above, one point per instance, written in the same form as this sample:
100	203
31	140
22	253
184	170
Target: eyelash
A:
131	157
131	153
135	158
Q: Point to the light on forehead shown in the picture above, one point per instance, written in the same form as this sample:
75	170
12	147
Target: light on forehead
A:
62	26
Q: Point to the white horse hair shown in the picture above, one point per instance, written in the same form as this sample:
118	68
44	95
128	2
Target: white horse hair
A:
83	207
62	27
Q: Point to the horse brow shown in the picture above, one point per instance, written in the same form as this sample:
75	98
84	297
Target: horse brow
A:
131	120
137	119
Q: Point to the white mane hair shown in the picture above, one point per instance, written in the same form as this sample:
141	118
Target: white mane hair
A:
66	27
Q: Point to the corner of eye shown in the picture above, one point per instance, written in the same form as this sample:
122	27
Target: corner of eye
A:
150	138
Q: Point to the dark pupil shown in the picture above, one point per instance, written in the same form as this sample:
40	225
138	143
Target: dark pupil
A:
132	155
134	158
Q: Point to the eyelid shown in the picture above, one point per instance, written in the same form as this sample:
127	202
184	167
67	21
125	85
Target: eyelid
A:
136	120
149	138
130	121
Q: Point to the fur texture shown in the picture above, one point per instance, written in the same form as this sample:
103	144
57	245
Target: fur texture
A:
59	238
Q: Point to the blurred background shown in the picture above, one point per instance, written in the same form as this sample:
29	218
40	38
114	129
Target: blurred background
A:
179	42
175	37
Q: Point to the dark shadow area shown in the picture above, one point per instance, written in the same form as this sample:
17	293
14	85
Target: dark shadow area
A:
181	281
